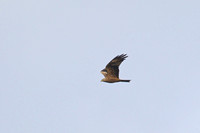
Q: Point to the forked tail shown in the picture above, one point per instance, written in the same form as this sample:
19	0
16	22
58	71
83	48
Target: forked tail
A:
124	80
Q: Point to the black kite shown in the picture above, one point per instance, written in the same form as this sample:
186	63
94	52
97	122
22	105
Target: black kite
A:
111	72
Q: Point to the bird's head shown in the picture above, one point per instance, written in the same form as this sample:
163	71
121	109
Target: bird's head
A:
103	80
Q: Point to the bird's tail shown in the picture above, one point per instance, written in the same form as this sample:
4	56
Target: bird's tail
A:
124	80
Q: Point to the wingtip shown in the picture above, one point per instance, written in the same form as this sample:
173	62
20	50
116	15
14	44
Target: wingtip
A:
124	56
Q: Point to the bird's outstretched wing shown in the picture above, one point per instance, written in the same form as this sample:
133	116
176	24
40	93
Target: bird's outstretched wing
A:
112	68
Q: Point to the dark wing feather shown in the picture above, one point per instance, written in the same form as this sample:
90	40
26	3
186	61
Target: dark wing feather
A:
113	66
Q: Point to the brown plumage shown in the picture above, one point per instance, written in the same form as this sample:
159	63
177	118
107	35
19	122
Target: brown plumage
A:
111	72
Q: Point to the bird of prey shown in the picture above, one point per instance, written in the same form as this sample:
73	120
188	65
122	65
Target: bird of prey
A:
111	72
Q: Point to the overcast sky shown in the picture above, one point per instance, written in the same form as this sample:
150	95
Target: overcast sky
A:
51	54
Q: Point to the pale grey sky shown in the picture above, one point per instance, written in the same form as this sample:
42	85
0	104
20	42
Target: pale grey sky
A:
51	54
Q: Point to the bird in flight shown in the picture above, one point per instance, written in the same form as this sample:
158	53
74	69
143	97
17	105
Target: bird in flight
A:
111	72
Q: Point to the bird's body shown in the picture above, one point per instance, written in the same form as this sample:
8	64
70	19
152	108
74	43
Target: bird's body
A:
111	72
